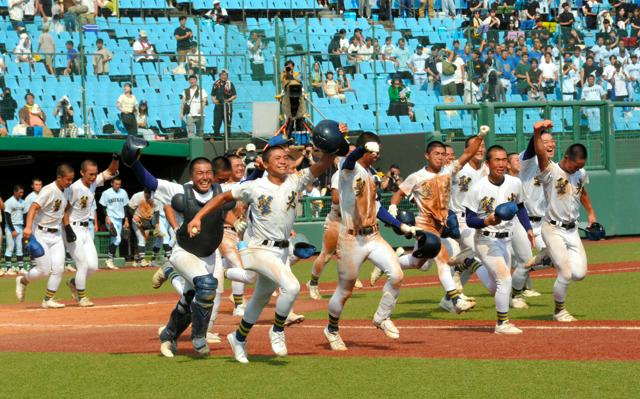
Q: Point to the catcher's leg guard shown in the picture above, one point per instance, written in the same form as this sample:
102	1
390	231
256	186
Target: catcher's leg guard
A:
201	309
180	318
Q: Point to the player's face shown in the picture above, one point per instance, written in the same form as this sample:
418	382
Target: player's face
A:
292	165
116	184
37	186
451	154
481	152
237	169
89	174
222	176
437	158
549	145
514	165
18	194
573	166
279	163
498	163
202	176
66	180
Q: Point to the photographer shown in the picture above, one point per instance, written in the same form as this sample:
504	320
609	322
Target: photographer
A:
392	180
65	110
292	98
255	46
193	102
223	94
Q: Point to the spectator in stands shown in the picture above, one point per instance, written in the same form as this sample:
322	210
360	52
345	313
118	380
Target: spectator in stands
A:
387	49
107	7
520	72
399	99
64	109
47	49
218	14
143	50
353	50
549	74
566	19
569	80
183	36
16	13
44	8
22	51
619	81
590	15
589	68
8	106
73	63
635	23
196	60
128	105
448	8
365	53
418	62
335	49
101	58
384	10
317	80
142	119
310	191
31	115
392	179
364	9
504	68
89	16
194	101
343	81
400	57
255	48
223	95
332	88
446	71
633	72
535	91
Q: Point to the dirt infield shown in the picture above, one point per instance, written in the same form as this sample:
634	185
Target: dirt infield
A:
129	325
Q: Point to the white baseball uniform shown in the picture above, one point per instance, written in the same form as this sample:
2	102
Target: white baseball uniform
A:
331	229
114	203
15	208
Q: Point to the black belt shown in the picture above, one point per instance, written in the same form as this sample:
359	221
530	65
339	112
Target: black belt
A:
48	229
363	231
463	214
566	226
278	244
83	224
569	94
230	228
495	235
535	219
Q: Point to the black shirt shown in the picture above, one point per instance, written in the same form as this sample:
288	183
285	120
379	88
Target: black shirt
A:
532	7
478	68
8	108
566	16
183	44
221	92
46	7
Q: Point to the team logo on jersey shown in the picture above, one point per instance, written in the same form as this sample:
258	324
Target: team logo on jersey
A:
56	205
83	201
427	190
561	185
487	204
291	200
463	183
264	204
536	181
358	187
580	187
512	197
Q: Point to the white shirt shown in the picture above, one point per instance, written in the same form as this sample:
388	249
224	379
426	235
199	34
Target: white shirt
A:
114	202
460	65
195	102
81	198
365	53
485	196
358	202
600	53
314	193
549	70
353	48
272	207
563	192
534	199
418	61
387	50
52	203
595	92
255	55
146	47
127	103
138	198
30	199
91	5
16	10
444	79
633	70
344	43
462	183
15	207
30	7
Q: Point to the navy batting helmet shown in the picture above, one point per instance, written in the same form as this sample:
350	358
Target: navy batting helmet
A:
131	150
452	228
595	232
327	137
405	217
428	245
507	210
33	247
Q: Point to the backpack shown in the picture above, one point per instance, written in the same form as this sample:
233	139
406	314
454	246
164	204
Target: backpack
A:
448	68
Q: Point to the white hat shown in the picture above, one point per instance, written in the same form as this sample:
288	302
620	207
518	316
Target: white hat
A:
250	147
23	35
216	2
143	33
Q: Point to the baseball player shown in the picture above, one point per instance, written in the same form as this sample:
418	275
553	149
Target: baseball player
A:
114	200
493	234
564	189
431	187
77	223
144	210
360	240
46	215
271	201
14	224
164	236
36	186
450	154
2	271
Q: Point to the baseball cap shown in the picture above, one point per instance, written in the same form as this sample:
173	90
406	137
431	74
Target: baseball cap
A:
143	33
216	2
250	147
278	140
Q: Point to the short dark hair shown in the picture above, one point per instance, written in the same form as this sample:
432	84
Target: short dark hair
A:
69	42
182	18
494	148
192	76
448	146
266	154
17	188
433	145
197	161
233	156
87	162
394	166
35	179
99	41
63	169
367	137
117	178
220	164
509	155
576	152
29	94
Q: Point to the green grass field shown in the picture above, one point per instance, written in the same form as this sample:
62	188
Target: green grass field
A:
103	375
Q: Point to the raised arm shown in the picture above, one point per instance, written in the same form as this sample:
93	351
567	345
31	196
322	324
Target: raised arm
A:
541	152
322	165
474	145
144	177
212	205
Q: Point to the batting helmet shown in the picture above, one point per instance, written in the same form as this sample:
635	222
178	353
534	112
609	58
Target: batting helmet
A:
327	137
428	245
452	228
131	150
405	217
595	232
302	248
33	247
507	210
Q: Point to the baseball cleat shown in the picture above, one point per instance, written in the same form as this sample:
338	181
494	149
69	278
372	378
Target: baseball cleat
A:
530	293
564	316
238	311
73	289
399	251
239	348
110	265
462	305
467	298
314	291
168	348
160	330
158	278
85	303
507	328
21	288
10	272
70	268
144	263
335	340
459	259
213	338
278	342
51	304
376	273
293	318
389	329
518	302
358	284
446	304
200	346
135	263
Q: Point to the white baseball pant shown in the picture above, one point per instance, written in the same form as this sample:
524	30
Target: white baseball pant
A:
495	256
231	258
408	261
84	254
522	251
329	245
51	264
190	266
568	256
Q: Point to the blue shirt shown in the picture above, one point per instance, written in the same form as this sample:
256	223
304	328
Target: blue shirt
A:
505	67
114	202
72	54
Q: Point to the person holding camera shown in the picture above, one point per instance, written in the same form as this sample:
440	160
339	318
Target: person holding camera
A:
65	110
194	99
392	180
223	95
128	105
254	50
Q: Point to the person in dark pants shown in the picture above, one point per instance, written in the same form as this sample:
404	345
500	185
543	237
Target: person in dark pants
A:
223	94
8	106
